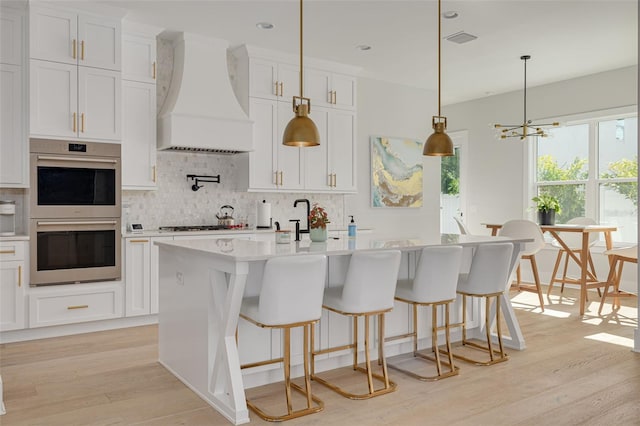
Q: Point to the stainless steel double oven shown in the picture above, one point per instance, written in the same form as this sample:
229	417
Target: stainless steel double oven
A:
75	209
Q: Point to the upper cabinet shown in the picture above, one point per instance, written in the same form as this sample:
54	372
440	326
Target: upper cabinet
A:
267	81
139	71
330	89
75	81
13	107
62	35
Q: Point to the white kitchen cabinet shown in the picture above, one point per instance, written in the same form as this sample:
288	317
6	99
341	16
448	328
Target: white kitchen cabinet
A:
11	36
13	142
137	276
13	282
139	58
138	135
154	274
273	80
273	165
328	89
66	36
75	303
331	166
67	101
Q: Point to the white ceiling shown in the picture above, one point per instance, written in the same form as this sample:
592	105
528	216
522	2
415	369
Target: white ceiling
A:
565	39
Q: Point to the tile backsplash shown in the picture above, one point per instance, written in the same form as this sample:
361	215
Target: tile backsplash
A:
174	203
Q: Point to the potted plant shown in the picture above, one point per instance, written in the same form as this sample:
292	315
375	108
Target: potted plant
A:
318	220
547	206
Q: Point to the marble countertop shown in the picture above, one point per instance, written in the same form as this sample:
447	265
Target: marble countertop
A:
265	246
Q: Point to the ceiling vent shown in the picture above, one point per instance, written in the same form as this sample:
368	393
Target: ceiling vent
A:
461	37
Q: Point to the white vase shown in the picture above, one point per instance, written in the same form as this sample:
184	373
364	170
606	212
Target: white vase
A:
318	234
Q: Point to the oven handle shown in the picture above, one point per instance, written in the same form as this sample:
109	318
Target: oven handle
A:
77	159
95	222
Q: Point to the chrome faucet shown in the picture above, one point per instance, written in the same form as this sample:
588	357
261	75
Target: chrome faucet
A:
295	204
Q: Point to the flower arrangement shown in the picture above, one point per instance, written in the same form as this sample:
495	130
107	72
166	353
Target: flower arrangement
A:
318	217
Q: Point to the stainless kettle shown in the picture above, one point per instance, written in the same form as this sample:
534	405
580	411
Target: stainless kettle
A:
225	217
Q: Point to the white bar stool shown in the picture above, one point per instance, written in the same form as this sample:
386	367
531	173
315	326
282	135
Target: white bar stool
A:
368	290
617	257
434	285
488	278
291	296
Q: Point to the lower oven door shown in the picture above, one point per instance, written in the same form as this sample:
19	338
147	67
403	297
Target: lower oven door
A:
74	251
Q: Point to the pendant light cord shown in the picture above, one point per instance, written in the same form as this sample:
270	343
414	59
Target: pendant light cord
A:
439	41
301	68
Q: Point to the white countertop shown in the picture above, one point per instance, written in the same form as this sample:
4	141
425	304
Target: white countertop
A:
14	238
265	246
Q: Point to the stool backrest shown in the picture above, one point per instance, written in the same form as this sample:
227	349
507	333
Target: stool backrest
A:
371	281
437	274
292	289
489	271
573	240
521	228
461	226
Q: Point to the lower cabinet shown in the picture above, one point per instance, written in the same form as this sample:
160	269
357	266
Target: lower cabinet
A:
13	282
137	276
68	304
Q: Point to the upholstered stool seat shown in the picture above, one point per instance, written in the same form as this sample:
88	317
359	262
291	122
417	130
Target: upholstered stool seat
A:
290	296
488	278
434	285
368	290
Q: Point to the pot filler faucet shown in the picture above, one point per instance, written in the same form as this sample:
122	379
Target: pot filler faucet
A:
295	204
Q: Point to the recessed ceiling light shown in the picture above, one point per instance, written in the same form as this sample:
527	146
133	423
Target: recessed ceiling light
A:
264	25
460	37
450	14
363	47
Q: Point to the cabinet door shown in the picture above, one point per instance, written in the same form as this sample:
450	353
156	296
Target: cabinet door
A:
344	88
138	135
99	42
12	301
139	58
318	87
289	163
263	79
316	172
262	160
137	276
53	99
289	78
154	274
53	35
99	103
342	149
13	143
11	40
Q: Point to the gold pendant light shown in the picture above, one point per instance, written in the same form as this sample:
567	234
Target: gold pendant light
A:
439	144
527	128
301	130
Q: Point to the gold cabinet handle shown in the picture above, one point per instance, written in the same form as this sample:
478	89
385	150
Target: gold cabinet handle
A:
281	178
281	89
75	119
20	276
335	180
7	252
154	70
276	88
154	174
138	241
335	96
77	307
82	50
82	122
74	48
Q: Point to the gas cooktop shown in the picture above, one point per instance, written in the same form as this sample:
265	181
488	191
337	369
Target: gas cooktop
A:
187	228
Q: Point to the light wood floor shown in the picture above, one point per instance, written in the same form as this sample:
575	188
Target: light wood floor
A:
574	371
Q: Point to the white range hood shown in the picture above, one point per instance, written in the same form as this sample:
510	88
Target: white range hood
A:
201	112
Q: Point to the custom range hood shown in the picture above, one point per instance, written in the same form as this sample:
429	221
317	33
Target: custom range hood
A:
201	112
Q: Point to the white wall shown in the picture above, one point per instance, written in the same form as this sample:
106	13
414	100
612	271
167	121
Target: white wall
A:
386	109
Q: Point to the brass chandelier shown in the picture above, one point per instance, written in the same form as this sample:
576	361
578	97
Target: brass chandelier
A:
301	130
439	144
527	128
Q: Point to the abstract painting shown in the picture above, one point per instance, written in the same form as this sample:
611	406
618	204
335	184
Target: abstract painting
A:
396	172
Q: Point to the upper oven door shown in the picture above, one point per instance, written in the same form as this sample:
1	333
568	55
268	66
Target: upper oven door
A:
75	185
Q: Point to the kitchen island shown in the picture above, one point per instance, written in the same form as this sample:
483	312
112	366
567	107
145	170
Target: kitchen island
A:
202	283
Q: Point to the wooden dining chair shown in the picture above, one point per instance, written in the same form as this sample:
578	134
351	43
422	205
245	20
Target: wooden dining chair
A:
618	258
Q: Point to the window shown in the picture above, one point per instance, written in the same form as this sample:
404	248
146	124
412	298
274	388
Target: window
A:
591	166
